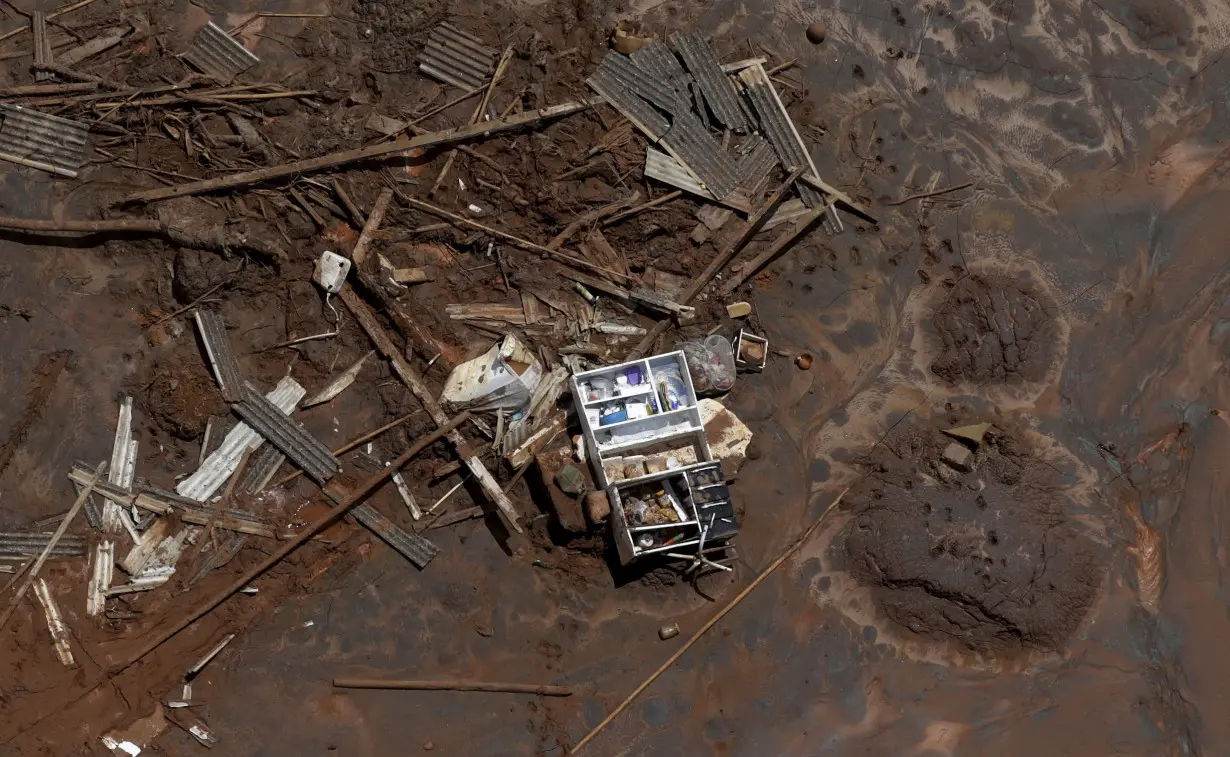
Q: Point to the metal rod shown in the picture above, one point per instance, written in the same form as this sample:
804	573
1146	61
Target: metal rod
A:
545	690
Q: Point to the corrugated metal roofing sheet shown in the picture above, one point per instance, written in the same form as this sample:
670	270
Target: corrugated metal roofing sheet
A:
755	165
717	87
691	144
657	60
622	98
261	468
643	83
415	548
305	450
778	128
219	55
457	58
218	350
38	140
664	168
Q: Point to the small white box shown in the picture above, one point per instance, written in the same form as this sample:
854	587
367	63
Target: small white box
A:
331	272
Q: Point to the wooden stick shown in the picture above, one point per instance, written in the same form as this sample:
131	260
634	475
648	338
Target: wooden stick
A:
359	253
135	225
754	225
780	245
712	622
449	136
31	90
524	244
355	443
72	73
427	399
545	690
51	544
458	99
937	192
353	498
641	208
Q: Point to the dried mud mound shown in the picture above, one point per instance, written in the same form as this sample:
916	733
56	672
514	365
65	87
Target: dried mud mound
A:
995	330
985	557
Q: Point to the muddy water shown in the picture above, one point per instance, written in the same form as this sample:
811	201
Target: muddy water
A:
1092	134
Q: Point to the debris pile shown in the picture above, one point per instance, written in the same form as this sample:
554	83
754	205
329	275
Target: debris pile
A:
527	333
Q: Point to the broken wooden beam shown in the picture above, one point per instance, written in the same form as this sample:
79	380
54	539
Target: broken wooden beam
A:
309	165
359	253
427	399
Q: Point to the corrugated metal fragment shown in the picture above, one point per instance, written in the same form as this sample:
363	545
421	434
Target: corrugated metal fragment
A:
304	450
719	91
122	467
619	96
38	140
223	461
218	350
102	571
690	143
219	55
55	623
657	60
754	167
664	168
413	547
778	128
16	546
456	58
642	83
261	468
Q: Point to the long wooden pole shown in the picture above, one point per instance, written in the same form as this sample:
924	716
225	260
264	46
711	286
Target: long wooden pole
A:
803	537
299	167
351	499
545	690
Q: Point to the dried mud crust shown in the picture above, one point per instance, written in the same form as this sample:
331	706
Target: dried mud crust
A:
995	329
988	559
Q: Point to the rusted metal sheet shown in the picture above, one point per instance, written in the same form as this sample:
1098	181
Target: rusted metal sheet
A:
778	128
38	140
754	167
644	84
305	450
664	168
659	62
218	350
219	55
690	143
413	547
456	58
631	106
716	86
42	44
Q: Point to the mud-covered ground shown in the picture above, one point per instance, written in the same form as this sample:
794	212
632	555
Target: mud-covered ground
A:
1075	295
